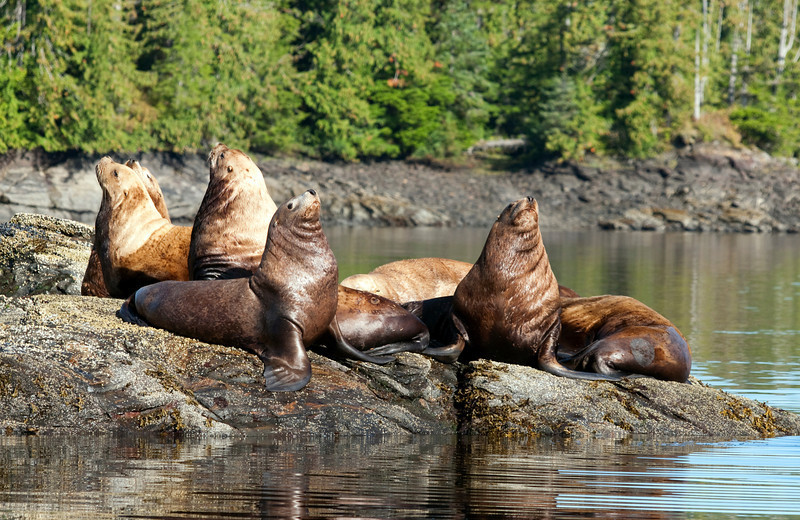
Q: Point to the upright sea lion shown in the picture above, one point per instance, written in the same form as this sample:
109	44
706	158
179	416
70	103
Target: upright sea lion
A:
507	307
93	283
417	279
283	307
231	223
618	335
135	244
153	188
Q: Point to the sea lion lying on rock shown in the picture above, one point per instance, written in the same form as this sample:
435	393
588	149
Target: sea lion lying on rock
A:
417	279
507	307
135	244
618	335
412	279
276	313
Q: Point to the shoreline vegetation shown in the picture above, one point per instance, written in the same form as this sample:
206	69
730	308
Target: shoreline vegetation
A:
363	81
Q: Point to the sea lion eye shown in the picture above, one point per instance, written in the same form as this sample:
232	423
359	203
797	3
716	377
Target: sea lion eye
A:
222	155
116	173
290	205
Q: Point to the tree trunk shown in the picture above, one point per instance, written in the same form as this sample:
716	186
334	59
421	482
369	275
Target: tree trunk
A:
788	27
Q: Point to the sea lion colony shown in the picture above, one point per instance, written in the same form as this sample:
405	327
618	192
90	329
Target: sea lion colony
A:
262	277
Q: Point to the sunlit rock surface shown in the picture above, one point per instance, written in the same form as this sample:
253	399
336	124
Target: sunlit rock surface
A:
68	364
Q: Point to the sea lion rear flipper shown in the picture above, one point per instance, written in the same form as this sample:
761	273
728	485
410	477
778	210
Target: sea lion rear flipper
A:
129	314
416	344
286	364
344	348
455	335
547	359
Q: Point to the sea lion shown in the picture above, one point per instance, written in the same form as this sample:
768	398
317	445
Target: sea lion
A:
374	326
135	244
411	279
618	335
93	283
153	188
417	279
507	307
283	307
231	223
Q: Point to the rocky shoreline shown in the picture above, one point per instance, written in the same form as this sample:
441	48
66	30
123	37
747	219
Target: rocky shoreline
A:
68	364
700	188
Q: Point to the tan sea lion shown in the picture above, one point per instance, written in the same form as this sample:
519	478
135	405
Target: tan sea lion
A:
135	244
417	279
231	223
411	279
618	335
153	188
93	283
507	307
275	313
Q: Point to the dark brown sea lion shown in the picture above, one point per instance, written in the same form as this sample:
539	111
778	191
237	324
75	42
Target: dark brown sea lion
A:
135	244
618	335
374	326
231	223
283	307
417	279
507	307
93	283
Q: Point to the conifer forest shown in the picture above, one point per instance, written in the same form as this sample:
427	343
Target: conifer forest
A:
377	79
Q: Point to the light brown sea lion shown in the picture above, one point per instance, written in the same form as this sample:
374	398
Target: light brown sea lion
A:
275	313
93	283
411	279
135	244
417	279
231	223
618	335
507	307
153	188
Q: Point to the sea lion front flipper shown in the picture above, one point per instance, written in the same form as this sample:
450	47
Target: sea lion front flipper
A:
547	359
344	348
286	364
129	314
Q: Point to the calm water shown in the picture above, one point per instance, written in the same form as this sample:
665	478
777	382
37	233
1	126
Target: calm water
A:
735	297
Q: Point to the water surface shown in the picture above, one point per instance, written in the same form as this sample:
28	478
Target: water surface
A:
735	297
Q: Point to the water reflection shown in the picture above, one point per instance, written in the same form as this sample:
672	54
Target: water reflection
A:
423	477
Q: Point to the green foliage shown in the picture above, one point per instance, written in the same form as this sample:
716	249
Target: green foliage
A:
355	79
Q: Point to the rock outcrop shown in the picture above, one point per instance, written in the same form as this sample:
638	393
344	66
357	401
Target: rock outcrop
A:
67	363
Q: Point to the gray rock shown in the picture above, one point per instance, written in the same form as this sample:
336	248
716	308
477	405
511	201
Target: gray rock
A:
67	363
41	254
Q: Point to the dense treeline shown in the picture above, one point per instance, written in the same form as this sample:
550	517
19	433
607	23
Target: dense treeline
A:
397	78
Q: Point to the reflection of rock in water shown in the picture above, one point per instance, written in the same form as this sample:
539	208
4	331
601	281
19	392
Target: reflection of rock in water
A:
361	477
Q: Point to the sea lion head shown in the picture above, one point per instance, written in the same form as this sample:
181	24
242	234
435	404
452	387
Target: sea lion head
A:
231	165
299	214
522	214
119	182
214	154
153	188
